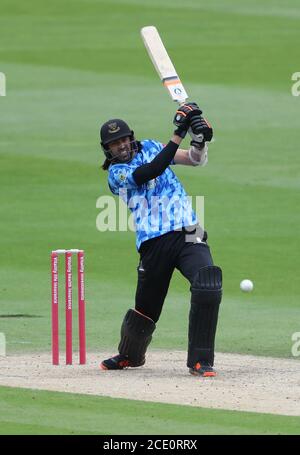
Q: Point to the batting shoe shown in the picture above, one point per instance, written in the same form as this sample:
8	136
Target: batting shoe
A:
118	362
203	369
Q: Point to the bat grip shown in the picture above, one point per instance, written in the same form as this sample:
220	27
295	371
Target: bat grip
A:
198	138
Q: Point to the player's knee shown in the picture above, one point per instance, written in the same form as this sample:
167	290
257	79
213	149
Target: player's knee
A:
207	285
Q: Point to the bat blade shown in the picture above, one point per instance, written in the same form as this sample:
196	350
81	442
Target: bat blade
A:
163	64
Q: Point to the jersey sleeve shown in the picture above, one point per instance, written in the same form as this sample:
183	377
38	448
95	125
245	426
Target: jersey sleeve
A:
120	176
152	148
155	147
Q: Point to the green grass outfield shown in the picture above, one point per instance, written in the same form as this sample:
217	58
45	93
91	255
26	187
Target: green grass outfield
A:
84	414
69	67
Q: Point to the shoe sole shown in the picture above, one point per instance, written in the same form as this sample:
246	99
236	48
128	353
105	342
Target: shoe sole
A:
206	374
105	368
209	374
102	366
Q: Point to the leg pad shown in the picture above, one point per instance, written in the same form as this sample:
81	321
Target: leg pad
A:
136	335
206	296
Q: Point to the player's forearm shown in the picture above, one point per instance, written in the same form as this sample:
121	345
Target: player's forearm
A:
176	139
191	157
182	157
159	164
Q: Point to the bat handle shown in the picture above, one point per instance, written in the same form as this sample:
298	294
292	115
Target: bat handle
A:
198	138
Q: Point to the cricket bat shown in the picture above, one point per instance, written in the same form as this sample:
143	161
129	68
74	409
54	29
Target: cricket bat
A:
164	67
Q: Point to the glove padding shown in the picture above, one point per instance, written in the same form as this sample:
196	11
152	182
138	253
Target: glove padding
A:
183	117
201	128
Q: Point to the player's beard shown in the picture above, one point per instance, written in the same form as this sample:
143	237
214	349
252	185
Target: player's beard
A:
125	154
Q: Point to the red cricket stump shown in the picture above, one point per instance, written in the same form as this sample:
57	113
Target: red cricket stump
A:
81	308
54	308
69	348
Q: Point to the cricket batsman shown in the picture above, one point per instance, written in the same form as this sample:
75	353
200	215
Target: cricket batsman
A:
168	236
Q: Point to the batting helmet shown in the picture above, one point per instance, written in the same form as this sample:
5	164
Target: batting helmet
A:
113	130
